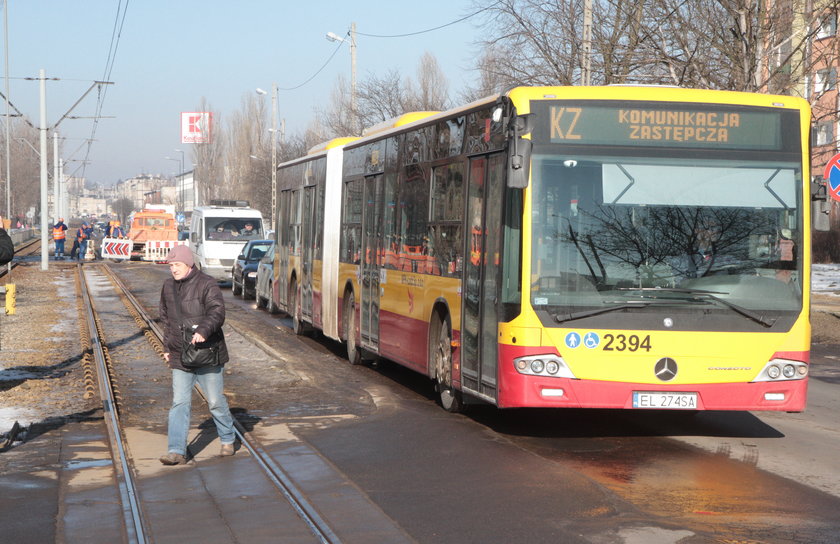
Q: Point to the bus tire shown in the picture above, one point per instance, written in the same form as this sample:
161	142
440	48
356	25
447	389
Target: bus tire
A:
441	358
272	306
298	326
354	354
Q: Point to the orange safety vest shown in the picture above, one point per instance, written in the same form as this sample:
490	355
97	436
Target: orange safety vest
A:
58	233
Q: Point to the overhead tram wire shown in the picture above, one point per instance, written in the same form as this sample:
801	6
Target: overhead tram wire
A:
116	34
428	29
321	69
326	62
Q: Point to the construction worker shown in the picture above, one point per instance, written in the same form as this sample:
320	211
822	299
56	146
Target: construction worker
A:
116	230
82	237
59	233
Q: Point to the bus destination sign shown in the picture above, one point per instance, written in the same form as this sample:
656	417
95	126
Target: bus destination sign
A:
655	126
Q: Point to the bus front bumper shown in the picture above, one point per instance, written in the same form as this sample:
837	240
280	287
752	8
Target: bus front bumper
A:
521	390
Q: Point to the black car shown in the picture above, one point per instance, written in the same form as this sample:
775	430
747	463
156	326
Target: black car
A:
245	267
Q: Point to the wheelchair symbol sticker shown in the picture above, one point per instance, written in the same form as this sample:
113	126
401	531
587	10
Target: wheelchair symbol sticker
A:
591	340
572	340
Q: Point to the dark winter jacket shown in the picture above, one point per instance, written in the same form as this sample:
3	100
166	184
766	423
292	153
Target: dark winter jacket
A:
7	247
201	304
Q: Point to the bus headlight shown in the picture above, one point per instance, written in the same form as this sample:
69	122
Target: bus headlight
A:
782	370
543	365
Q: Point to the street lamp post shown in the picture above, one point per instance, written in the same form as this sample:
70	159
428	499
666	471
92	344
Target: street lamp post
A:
336	38
179	165
273	131
181	183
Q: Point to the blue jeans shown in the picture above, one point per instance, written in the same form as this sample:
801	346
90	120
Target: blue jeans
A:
82	250
212	382
59	248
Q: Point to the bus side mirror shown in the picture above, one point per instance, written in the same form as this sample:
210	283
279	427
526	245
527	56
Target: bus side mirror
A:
821	208
519	152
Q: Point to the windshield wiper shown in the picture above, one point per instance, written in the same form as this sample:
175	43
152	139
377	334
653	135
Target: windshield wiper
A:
700	295
619	305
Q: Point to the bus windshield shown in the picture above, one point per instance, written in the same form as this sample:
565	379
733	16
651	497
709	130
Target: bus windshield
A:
618	231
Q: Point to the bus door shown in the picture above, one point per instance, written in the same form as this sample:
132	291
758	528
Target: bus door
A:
371	262
480	318
307	249
281	263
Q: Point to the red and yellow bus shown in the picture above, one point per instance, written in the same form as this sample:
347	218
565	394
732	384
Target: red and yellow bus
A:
596	247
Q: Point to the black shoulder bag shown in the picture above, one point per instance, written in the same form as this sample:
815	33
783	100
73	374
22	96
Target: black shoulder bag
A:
196	355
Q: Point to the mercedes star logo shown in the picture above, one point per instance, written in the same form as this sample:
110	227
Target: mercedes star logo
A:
665	369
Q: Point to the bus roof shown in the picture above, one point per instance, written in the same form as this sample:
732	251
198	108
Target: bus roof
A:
522	96
404	119
330	144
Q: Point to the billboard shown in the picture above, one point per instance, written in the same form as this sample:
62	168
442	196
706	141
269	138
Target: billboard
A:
195	127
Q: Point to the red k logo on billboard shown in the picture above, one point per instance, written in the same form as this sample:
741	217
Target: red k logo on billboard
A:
195	127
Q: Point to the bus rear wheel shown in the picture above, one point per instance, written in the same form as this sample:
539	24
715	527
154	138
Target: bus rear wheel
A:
272	306
298	326
450	398
354	354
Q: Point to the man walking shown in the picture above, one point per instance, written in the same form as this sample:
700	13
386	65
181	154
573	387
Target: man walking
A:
191	300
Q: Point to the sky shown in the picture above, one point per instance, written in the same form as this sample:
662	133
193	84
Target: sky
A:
172	53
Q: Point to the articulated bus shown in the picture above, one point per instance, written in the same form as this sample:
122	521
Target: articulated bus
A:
588	247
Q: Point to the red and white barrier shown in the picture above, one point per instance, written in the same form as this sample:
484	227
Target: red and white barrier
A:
158	250
116	248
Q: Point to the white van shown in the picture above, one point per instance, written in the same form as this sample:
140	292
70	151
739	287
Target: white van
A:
219	231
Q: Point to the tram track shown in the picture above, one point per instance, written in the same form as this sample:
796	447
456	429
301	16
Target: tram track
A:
94	347
112	403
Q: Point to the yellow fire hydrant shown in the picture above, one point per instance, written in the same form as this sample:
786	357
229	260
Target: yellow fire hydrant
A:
11	291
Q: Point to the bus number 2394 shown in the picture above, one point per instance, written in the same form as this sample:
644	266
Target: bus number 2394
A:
620	342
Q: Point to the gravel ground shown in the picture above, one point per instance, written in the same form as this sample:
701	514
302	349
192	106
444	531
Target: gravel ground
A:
41	375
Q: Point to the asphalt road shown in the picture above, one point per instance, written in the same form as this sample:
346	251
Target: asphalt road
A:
596	476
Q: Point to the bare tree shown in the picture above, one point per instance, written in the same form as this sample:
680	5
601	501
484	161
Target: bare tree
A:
123	208
24	188
337	119
379	98
209	160
248	154
748	45
489	80
431	90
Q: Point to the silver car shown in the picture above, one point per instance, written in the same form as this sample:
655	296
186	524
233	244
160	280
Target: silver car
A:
265	283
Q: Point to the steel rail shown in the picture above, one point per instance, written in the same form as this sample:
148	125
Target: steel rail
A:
128	491
275	473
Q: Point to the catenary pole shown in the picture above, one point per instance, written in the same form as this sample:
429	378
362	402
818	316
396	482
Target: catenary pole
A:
56	180
8	125
45	246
